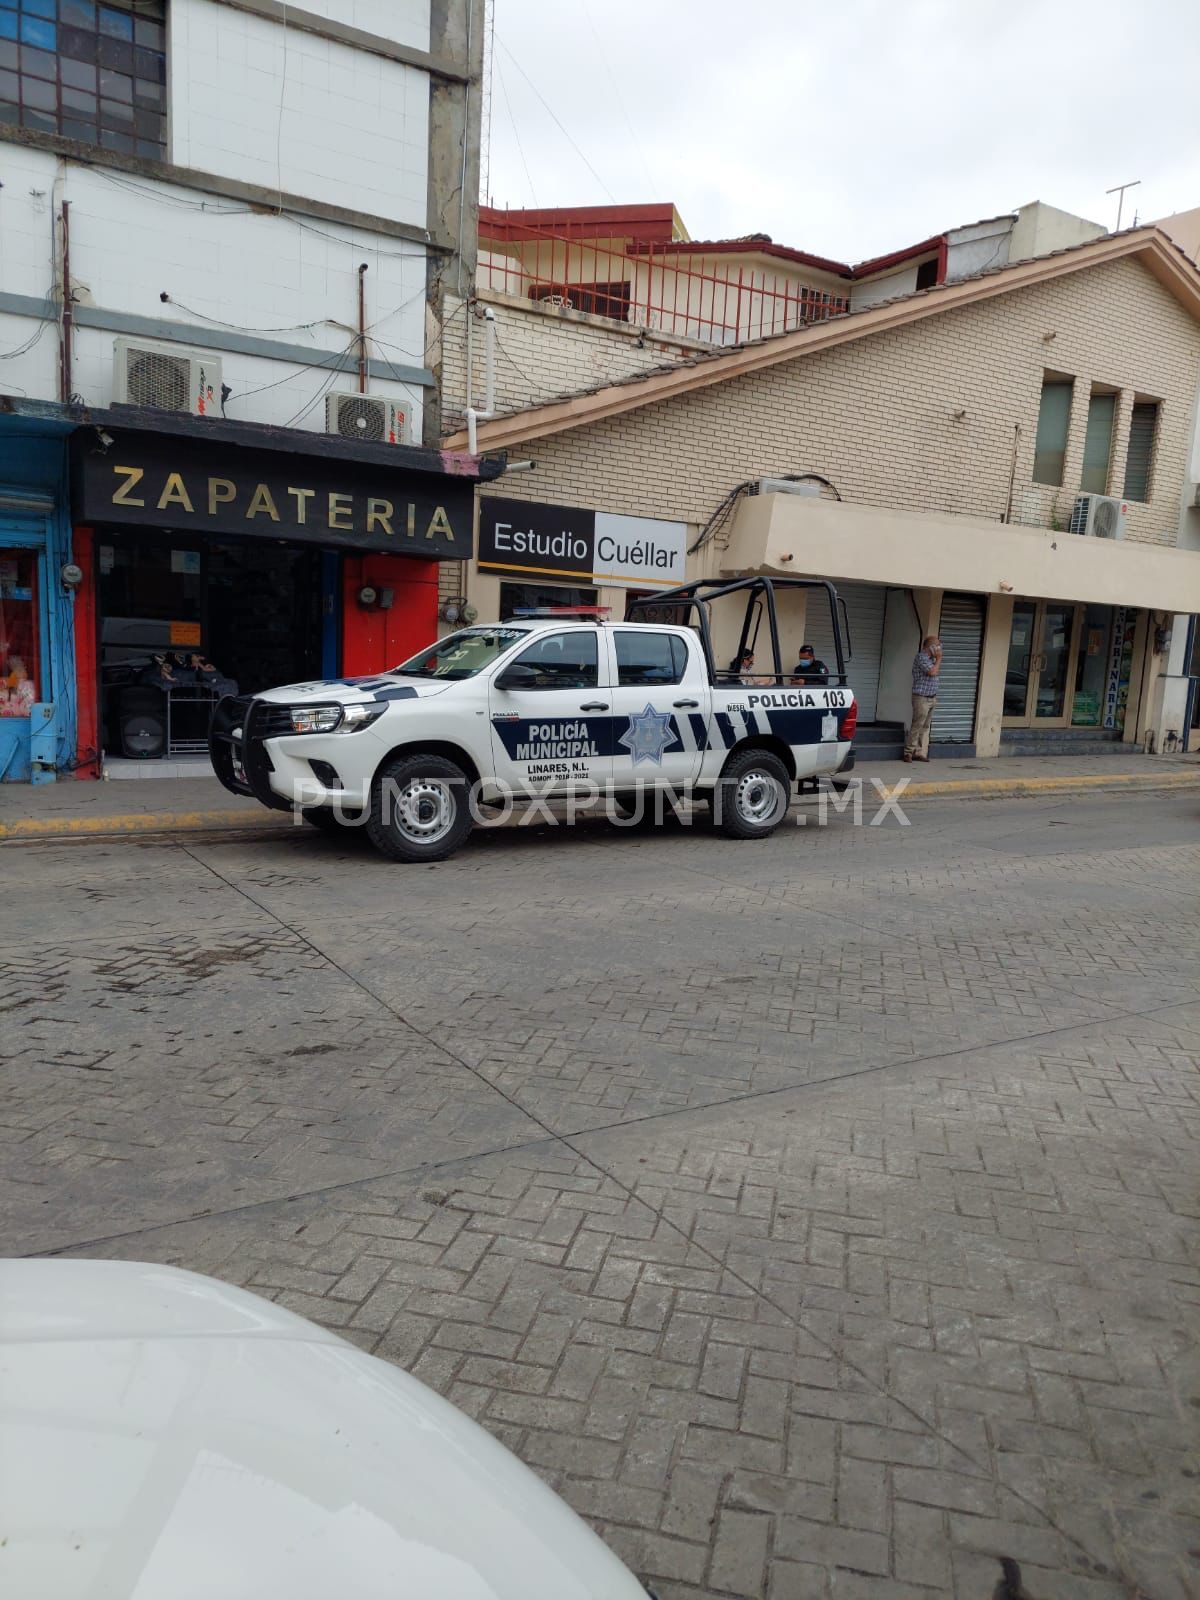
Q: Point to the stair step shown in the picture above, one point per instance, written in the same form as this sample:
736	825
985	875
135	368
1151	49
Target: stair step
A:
1068	747
895	749
1060	736
878	752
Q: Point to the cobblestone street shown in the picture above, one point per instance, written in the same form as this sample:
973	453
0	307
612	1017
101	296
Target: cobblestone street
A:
816	1215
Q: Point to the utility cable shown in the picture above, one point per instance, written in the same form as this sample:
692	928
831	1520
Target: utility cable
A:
555	119
617	95
516	132
238	327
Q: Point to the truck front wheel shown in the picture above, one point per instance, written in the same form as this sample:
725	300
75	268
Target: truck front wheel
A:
420	808
752	795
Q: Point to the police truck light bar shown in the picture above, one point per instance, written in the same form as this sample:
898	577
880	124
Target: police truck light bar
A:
561	611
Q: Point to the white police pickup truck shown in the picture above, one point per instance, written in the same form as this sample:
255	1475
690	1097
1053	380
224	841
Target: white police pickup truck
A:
547	706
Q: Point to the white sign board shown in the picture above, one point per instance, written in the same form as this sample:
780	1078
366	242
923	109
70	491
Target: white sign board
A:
639	552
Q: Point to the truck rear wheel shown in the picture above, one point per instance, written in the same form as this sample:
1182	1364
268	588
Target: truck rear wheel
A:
752	795
420	808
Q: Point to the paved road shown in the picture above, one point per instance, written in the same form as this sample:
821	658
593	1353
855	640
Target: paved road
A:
818	1216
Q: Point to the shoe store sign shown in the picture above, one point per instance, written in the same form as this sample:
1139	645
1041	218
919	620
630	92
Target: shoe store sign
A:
203	486
593	547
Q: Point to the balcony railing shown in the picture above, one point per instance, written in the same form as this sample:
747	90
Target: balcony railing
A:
662	290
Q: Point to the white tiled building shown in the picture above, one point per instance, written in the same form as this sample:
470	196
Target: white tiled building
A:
287	158
223	215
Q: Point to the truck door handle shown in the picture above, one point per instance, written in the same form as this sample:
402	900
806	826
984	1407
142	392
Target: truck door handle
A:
682	704
594	705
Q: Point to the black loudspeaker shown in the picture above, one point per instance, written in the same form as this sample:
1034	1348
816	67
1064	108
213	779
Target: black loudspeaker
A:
143	724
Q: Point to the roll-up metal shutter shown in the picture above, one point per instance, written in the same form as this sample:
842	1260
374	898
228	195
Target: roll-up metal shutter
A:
961	632
865	604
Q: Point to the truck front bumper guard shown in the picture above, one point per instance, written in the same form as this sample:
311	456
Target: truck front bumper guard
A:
237	746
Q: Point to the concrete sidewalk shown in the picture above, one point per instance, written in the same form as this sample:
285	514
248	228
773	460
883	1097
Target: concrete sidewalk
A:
89	809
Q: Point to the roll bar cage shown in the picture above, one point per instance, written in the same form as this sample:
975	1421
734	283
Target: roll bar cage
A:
759	592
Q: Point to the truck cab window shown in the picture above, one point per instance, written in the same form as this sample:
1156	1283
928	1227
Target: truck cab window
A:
563	660
649	658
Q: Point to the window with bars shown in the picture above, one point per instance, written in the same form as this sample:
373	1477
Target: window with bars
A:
93	70
1143	426
598	299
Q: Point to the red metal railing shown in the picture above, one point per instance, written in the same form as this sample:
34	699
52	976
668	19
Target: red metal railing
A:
678	293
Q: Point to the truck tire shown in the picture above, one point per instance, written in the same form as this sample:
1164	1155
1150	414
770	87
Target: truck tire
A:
420	808
752	795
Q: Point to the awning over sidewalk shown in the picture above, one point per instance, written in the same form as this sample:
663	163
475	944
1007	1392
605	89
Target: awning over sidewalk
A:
915	550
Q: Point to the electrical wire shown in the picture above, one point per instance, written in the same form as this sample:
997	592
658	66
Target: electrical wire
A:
219	322
416	253
721	515
518	370
554	118
720	518
299	370
24	349
513	124
322	391
617	95
279	116
173	202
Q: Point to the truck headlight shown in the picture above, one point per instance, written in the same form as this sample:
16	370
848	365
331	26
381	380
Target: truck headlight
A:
315	719
360	716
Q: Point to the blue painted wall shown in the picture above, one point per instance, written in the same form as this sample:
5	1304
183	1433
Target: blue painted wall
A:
33	465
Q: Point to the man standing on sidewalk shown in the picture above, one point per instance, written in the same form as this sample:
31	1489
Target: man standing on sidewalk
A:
927	664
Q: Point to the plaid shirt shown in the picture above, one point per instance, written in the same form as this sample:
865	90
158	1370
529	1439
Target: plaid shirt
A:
924	678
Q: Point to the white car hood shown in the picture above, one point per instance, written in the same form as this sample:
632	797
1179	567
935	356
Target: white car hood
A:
346	691
168	1437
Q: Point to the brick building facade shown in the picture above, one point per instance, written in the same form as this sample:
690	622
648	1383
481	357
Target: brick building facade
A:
923	415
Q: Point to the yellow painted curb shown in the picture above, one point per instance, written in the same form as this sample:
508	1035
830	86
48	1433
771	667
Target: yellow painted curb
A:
168	822
135	822
1015	786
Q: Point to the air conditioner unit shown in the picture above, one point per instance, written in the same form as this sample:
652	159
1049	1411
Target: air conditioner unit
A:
166	380
367	418
786	486
1099	515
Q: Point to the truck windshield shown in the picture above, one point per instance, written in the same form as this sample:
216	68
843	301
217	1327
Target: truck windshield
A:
462	655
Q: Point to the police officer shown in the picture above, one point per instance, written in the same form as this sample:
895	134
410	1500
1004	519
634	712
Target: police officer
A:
808	668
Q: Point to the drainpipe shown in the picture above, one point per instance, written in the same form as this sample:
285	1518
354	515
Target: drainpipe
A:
489	395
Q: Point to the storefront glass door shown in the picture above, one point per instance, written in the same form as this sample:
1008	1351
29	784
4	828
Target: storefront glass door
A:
1020	659
1041	661
1055	659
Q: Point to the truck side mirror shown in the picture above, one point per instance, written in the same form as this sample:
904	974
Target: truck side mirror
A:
518	677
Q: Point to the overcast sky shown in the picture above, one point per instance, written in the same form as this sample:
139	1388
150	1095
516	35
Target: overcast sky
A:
848	129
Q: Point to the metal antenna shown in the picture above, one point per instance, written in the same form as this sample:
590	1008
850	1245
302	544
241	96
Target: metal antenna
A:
1119	189
485	118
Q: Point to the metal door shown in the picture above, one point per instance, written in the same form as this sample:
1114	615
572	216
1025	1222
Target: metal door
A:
865	604
554	730
961	632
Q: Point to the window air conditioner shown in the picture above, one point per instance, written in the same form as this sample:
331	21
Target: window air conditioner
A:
367	418
166	380
1099	515
787	486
